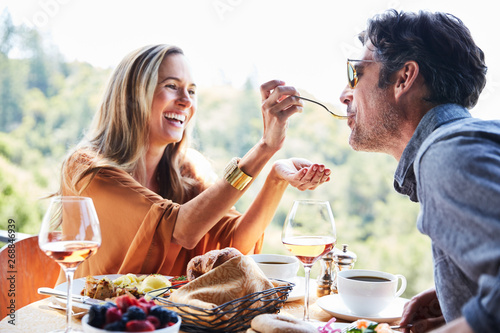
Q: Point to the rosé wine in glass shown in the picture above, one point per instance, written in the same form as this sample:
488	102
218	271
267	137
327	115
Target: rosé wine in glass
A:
308	233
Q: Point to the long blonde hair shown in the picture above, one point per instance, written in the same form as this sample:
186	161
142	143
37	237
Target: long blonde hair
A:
118	136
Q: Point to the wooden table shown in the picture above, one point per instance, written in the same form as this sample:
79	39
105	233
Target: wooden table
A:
296	309
37	317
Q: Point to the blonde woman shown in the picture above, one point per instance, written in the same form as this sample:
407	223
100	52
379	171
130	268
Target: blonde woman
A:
156	207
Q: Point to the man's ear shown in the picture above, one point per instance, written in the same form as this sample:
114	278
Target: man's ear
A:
405	78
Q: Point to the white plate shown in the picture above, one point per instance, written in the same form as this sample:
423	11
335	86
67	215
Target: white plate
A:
333	305
299	290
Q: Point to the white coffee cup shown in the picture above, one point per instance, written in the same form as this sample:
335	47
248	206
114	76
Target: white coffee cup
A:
277	266
367	292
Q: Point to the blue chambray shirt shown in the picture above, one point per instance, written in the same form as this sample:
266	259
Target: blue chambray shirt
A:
452	167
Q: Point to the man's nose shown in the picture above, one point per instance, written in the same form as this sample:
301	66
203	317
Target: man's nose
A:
346	95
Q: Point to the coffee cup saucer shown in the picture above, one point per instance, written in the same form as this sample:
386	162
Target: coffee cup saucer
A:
334	305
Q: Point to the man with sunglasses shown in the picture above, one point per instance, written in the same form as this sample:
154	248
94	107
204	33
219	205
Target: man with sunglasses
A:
408	96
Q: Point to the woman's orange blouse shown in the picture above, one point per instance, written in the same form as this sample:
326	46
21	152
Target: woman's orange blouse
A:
137	226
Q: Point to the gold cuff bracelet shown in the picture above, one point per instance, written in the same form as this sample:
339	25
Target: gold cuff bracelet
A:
234	176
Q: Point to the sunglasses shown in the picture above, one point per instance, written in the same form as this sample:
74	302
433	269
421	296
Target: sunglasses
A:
352	75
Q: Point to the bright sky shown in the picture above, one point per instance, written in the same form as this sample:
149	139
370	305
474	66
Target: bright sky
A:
304	43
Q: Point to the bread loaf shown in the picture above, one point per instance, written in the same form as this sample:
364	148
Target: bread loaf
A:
202	264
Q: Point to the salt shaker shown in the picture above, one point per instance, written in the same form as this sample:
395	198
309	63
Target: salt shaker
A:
326	276
342	260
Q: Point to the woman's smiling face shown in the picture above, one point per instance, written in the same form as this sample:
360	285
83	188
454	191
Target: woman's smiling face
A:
174	101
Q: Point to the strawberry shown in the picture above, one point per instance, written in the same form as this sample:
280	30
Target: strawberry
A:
139	326
153	320
145	305
113	314
125	301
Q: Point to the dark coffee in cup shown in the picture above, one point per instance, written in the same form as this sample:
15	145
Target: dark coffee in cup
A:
369	278
277	266
272	262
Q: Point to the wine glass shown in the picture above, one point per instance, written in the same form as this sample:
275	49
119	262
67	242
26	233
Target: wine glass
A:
70	234
309	233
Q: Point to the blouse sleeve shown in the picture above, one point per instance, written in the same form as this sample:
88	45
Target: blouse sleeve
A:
136	225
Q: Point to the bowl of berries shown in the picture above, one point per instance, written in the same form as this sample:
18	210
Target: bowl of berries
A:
129	314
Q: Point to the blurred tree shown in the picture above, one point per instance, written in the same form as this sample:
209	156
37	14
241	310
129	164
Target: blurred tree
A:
19	199
7	33
11	86
38	76
11	90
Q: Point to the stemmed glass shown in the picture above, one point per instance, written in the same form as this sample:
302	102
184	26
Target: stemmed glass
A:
309	233
70	234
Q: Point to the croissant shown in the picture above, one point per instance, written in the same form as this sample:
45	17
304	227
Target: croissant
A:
204	263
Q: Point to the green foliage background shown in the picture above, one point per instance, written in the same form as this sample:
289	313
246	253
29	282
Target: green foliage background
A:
47	103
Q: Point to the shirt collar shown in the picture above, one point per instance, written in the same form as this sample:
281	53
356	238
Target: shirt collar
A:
404	177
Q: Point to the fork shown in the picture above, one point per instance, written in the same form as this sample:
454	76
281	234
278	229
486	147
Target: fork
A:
313	101
73	313
347	328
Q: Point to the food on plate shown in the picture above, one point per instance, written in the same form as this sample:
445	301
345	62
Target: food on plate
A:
129	284
274	323
153	282
365	326
128	280
99	289
204	263
131	315
179	280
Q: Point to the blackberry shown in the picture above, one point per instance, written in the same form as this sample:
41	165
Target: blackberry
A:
125	319
164	315
97	315
109	305
136	313
116	326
